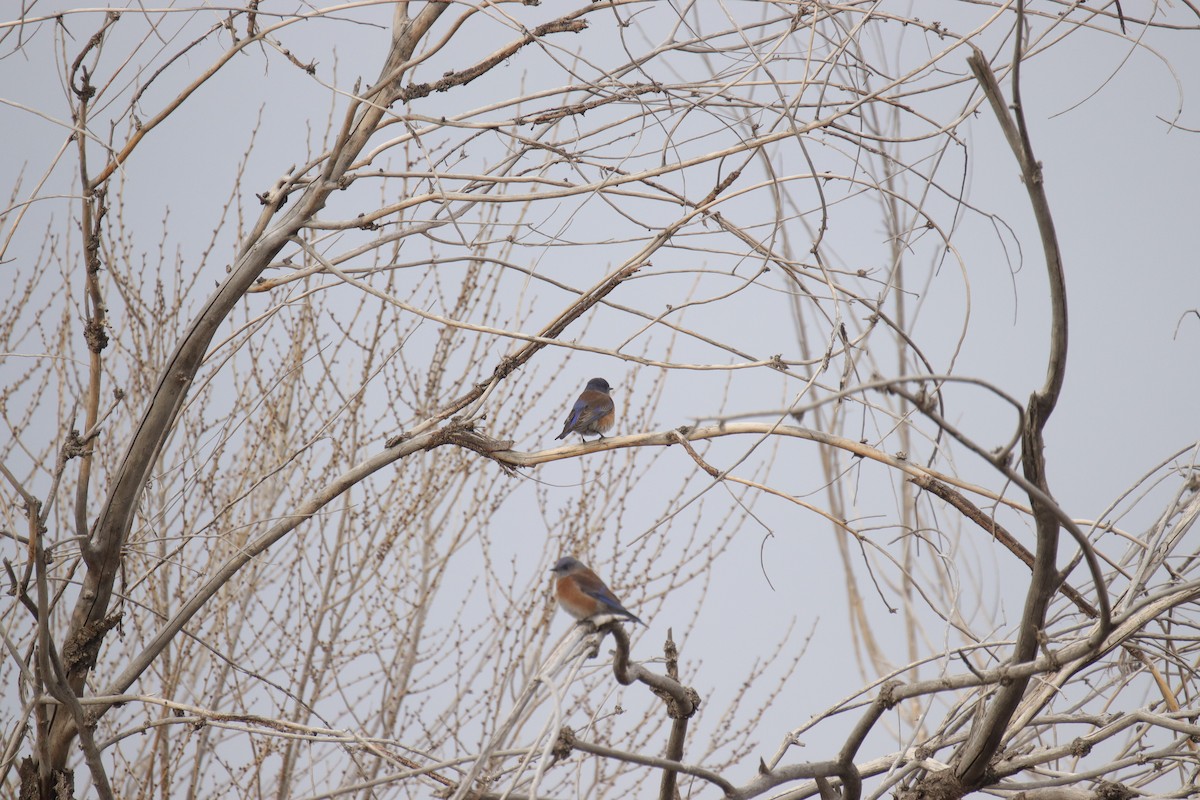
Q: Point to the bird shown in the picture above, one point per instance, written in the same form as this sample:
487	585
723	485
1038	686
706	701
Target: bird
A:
582	594
593	412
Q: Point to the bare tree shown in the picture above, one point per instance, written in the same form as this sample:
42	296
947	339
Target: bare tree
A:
285	348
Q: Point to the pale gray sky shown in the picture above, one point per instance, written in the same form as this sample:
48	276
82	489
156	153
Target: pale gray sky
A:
1123	188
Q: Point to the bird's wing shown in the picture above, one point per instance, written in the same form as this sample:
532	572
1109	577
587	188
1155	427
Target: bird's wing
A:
577	411
594	587
590	409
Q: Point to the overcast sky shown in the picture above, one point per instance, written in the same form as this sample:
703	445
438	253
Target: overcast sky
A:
1122	182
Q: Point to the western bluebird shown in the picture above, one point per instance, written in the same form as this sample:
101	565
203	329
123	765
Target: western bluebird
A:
582	594
593	412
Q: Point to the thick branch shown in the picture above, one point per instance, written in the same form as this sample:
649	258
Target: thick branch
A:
1017	134
682	702
972	763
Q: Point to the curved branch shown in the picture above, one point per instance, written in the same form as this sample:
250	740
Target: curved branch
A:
990	728
694	433
682	702
1016	132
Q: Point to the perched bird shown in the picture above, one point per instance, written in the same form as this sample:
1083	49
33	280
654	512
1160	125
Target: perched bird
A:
582	594
593	412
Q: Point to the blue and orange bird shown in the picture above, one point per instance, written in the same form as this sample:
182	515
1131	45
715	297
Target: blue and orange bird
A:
582	594
593	412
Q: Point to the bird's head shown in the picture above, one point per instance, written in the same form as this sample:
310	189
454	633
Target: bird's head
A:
566	565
